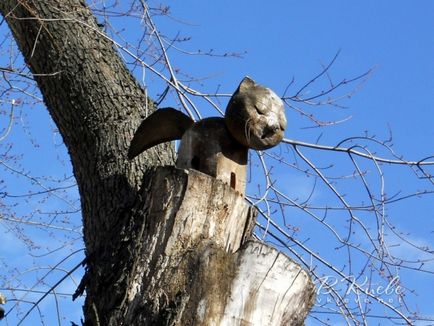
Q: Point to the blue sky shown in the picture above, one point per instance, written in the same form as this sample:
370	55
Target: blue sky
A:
291	39
280	41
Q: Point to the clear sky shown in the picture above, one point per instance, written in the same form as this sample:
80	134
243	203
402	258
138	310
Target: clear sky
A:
281	41
293	39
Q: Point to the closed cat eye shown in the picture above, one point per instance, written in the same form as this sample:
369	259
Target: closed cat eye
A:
259	110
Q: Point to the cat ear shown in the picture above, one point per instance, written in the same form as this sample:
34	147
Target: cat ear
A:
246	84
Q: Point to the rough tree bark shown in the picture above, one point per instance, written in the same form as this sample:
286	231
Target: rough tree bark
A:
138	271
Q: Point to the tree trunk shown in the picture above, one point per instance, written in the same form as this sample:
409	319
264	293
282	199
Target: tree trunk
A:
199	265
138	270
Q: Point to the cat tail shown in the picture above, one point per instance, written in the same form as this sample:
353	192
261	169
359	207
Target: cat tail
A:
161	126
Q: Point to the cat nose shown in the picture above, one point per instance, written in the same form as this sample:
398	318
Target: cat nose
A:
269	131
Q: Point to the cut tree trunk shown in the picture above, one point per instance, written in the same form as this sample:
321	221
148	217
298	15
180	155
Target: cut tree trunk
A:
199	264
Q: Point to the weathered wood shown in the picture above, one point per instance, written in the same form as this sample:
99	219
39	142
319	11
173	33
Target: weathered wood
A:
199	266
269	289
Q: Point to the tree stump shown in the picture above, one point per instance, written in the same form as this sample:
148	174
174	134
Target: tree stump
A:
199	264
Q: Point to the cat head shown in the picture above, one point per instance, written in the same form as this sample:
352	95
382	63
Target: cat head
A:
255	116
